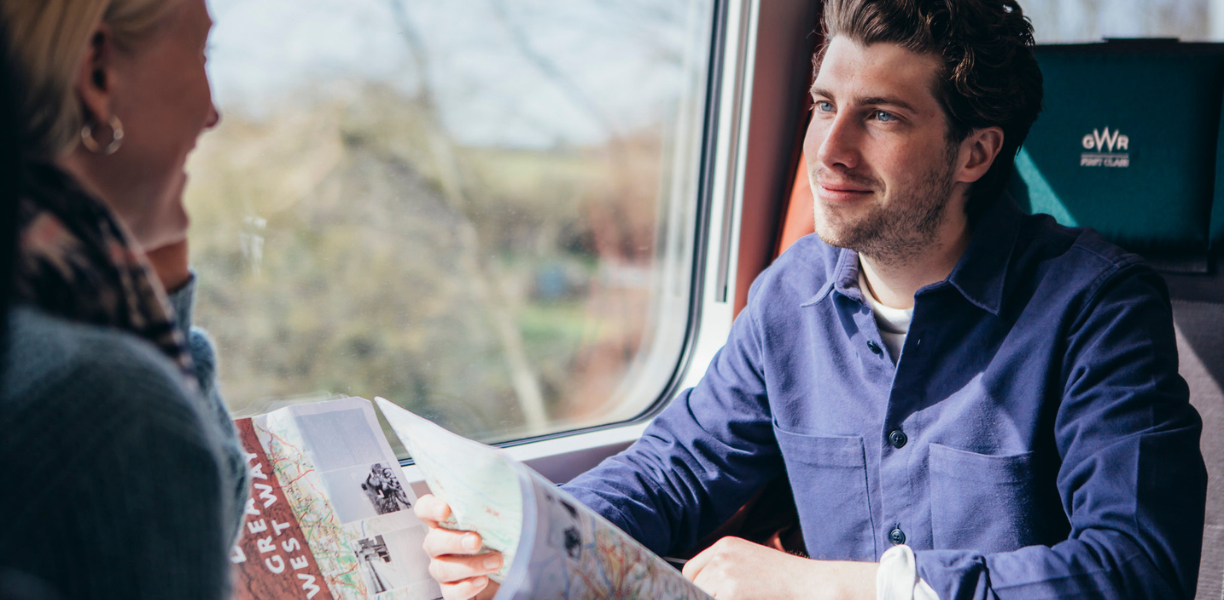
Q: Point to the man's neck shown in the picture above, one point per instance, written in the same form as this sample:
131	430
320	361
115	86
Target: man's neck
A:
894	281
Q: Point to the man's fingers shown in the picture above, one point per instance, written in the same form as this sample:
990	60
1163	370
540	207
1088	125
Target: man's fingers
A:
455	563
431	510
463	590
443	542
698	563
452	569
694	566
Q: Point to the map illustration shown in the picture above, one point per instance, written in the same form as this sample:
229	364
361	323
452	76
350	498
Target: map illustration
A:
324	474
328	540
588	558
556	548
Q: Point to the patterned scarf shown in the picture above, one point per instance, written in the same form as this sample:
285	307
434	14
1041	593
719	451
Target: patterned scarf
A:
76	260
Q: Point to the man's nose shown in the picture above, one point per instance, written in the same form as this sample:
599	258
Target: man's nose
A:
839	147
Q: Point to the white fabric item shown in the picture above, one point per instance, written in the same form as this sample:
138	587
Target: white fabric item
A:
894	323
897	578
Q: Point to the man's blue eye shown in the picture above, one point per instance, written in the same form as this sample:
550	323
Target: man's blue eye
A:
823	106
884	116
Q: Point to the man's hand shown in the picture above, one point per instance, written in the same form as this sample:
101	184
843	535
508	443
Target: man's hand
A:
454	560
736	569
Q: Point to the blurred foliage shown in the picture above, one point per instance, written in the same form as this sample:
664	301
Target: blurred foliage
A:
343	247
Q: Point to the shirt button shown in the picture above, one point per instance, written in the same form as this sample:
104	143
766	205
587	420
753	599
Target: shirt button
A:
875	348
896	536
897	438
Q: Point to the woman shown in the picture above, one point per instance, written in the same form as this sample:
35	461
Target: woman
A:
123	477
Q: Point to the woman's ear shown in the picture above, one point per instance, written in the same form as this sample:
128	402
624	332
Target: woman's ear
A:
96	78
978	152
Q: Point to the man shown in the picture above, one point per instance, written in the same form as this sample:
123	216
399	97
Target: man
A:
968	402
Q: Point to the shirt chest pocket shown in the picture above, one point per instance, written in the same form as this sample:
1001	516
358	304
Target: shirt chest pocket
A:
982	502
828	475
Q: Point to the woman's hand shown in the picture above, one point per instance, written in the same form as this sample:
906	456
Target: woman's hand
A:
455	561
170	264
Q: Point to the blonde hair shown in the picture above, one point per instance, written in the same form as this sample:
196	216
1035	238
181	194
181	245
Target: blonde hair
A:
47	41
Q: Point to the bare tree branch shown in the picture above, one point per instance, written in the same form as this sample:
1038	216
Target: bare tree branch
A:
522	376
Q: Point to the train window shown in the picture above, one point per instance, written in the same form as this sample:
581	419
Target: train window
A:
1056	21
484	210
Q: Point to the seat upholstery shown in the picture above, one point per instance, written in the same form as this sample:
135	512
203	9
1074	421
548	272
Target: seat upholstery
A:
1126	144
1200	346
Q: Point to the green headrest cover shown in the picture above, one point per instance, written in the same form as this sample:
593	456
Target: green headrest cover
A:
1127	144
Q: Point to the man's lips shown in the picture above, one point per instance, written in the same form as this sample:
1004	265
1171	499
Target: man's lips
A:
841	192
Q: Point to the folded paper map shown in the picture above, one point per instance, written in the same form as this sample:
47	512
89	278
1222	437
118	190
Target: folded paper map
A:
329	515
555	547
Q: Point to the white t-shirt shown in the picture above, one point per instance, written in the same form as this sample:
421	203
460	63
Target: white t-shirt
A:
894	323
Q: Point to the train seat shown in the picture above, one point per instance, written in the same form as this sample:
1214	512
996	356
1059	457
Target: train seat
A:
1130	144
1126	144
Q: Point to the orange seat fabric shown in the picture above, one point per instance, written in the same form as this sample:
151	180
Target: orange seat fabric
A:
799	218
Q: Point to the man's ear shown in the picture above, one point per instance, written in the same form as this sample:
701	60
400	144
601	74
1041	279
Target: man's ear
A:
978	152
95	77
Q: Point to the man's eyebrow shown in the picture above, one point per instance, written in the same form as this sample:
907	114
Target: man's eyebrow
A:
886	101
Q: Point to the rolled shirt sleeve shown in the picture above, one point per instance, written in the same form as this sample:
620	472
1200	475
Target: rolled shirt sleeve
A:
204	357
702	459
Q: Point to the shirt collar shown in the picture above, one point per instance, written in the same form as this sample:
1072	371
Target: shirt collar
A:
843	277
979	275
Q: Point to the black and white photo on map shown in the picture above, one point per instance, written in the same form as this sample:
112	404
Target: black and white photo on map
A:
384	490
385	562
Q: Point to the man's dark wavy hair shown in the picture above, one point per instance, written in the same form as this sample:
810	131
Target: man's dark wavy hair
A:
989	77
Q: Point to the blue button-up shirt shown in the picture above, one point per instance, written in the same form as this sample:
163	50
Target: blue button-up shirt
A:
1049	450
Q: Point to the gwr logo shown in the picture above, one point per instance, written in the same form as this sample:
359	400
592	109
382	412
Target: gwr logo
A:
1103	146
1098	141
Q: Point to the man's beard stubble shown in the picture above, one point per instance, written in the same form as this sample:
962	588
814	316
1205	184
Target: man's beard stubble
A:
907	227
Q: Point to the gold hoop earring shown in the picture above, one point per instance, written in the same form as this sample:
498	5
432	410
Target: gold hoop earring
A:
92	145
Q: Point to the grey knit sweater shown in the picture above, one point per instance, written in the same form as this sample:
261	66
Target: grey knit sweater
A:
119	482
